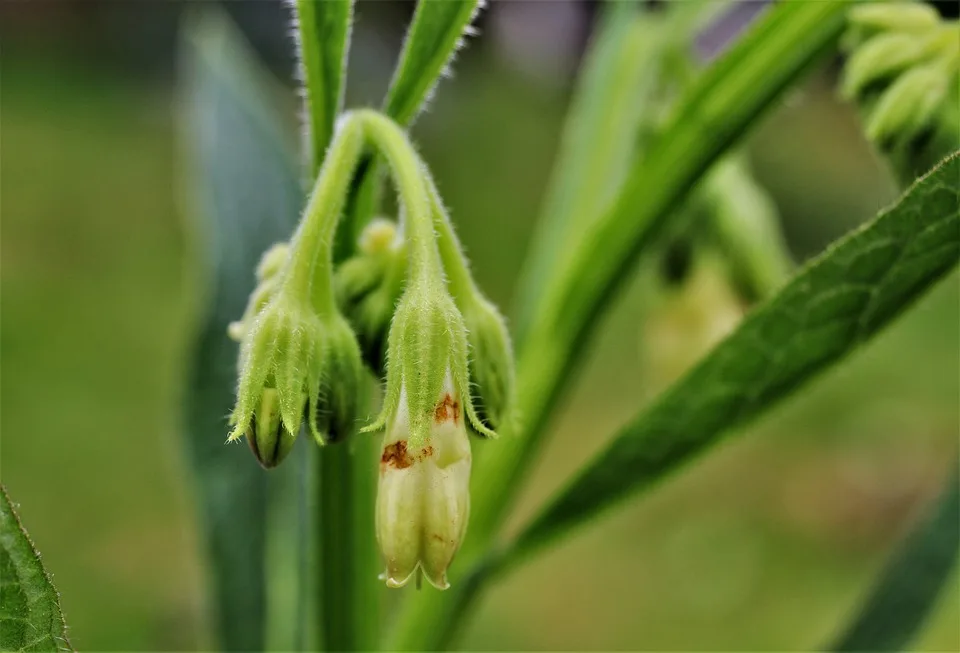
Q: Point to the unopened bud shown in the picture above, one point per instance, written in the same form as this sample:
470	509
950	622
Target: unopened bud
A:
907	107
880	57
894	16
491	360
268	440
369	285
279	370
332	410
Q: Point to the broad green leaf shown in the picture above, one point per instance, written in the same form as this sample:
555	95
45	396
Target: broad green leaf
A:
433	38
323	36
901	601
709	118
243	195
833	305
30	617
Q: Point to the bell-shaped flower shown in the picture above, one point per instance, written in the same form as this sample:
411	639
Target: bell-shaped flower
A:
423	499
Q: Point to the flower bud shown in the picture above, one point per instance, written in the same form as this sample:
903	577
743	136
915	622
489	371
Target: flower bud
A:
426	343
368	286
894	16
332	409
882	56
907	107
268	440
423	498
279	369
491	360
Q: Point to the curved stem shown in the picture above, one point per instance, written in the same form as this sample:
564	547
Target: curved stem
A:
459	279
310	268
407	173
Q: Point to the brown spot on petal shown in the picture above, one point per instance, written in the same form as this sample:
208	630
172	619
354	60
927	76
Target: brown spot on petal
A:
447	409
396	454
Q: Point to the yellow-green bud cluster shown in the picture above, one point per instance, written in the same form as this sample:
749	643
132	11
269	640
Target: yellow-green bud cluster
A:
904	69
299	359
448	359
368	287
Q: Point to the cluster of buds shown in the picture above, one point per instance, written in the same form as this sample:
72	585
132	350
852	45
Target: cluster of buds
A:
299	359
904	69
407	304
440	321
369	284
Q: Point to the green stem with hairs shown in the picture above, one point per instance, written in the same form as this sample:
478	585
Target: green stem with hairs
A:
407	173
309	274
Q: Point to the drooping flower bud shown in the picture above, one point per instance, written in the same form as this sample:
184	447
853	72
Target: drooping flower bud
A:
332	409
280	365
268	439
908	106
491	360
369	285
901	16
904	72
423	499
426	343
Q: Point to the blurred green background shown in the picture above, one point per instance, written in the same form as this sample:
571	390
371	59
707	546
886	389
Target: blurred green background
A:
768	542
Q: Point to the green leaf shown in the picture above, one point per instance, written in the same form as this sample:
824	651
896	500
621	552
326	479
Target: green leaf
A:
901	601
244	195
323	36
30	617
834	304
433	38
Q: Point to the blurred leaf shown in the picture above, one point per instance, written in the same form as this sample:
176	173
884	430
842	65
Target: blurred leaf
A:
243	189
912	581
432	41
323	35
617	89
834	304
720	106
30	617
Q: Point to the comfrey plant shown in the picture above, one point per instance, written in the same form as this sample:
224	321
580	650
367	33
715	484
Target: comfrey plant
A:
648	171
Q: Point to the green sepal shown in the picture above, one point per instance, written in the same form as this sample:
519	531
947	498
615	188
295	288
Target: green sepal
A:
276	354
491	362
335	383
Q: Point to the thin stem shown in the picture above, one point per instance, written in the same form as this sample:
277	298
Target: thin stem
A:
459	279
407	173
310	269
347	599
